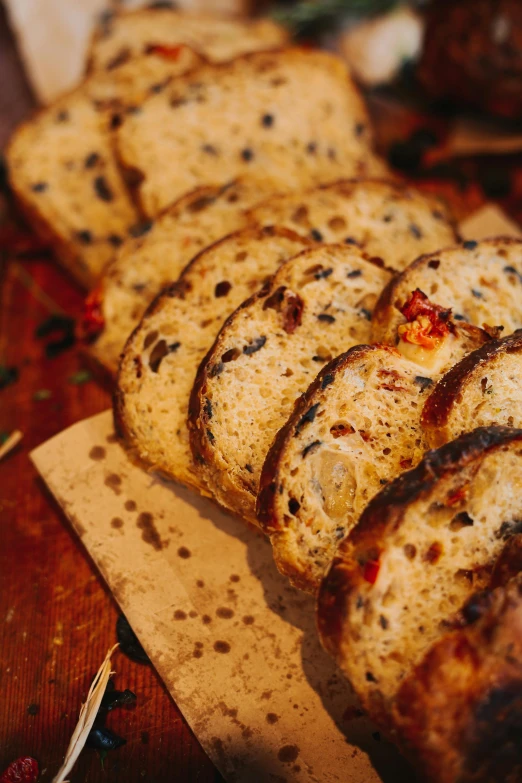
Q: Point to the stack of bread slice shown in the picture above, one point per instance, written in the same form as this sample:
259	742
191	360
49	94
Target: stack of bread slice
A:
290	336
173	102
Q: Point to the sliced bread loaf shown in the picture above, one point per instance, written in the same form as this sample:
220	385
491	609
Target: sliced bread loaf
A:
382	218
160	360
458	715
356	428
480	281
420	549
292	117
483	388
122	36
317	304
63	170
149	262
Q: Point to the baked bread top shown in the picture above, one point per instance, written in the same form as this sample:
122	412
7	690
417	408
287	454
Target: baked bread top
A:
146	264
292	117
421	548
458	715
382	218
480	281
484	388
316	304
357	427
122	36
160	360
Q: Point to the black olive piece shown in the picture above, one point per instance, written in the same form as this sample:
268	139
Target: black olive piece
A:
102	738
140	228
423	382
329	319
112	699
316	235
85	237
157	4
39	187
254	346
267	120
308	417
102	189
247	155
469	244
91	160
115	240
62	116
327	380
54	323
311	447
129	643
323	274
59	346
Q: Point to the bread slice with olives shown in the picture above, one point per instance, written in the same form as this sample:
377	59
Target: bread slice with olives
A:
160	360
316	304
421	548
357	427
119	37
292	117
154	258
65	178
480	281
458	715
483	388
383	218
63	170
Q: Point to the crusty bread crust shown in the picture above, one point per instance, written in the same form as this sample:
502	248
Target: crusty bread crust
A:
462	379
352	583
483	300
458	715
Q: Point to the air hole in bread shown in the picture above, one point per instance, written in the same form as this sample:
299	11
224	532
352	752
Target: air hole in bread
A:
159	351
433	553
341	428
337	223
410	551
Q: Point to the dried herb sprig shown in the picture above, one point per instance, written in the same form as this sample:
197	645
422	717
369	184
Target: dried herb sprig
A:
88	714
309	19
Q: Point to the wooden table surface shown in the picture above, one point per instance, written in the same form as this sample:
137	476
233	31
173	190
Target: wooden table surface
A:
57	618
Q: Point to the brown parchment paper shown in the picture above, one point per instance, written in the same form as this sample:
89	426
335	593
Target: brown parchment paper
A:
234	643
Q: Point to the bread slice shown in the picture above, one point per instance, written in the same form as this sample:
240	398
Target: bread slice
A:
317	304
119	37
146	264
63	170
480	281
64	175
356	428
422	546
293	117
383	218
458	715
160	360
484	388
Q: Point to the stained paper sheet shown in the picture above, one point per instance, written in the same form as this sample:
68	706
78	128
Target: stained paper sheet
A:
234	643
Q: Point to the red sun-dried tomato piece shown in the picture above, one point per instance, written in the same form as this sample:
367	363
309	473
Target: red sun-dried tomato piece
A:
166	51
23	770
419	304
371	571
93	322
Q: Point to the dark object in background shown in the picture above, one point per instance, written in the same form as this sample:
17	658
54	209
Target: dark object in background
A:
102	738
129	643
472	54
